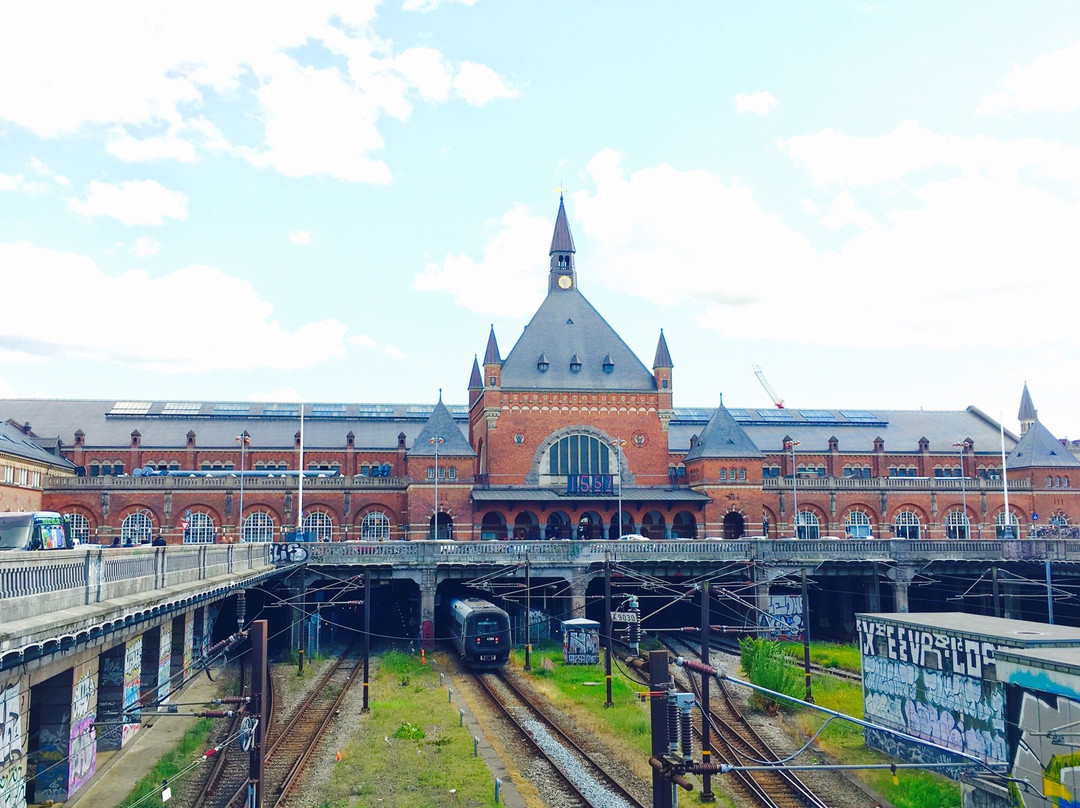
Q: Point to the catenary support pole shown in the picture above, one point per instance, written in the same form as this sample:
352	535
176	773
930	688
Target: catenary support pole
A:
997	592
367	635
607	628
659	682
1049	594
806	635
706	744
528	616
259	700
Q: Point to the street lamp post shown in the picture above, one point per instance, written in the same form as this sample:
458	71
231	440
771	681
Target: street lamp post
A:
794	494
618	460
963	489
243	439
435	441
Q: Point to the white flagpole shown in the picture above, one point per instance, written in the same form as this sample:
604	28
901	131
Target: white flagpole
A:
300	477
1007	533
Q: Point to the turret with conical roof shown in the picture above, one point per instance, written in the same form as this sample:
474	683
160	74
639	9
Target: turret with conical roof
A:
1028	414
662	367
476	382
562	276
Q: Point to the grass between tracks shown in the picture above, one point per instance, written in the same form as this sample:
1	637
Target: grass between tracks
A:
827	655
409	751
191	745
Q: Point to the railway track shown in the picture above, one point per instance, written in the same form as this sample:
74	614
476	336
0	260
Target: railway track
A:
290	741
588	780
736	742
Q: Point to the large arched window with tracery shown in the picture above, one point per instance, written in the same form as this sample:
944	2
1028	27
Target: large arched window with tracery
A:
375	527
807	526
320	524
579	454
200	529
907	525
957	525
857	526
259	526
136	528
79	526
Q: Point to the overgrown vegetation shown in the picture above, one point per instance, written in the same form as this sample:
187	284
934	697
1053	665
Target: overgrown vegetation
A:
767	666
190	746
827	655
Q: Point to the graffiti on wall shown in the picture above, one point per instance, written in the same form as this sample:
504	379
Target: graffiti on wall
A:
82	762
12	739
50	776
787	614
132	678
165	665
961	655
949	709
1045	755
581	646
189	643
13	788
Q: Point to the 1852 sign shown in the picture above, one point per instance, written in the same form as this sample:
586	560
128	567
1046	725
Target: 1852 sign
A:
590	484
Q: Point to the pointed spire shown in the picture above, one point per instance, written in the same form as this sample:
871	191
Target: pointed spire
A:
663	358
562	276
476	381
1027	408
561	240
491	356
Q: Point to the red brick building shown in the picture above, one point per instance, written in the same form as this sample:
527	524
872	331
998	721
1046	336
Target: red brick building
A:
563	437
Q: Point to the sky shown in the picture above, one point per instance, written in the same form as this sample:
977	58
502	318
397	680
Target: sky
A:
876	203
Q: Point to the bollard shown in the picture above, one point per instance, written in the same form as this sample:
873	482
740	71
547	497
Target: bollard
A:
461	718
498	785
441	677
421	655
449	695
475	746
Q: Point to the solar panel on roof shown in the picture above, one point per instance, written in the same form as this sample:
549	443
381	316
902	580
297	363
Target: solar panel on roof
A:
375	409
327	409
738	414
418	409
232	409
775	415
863	416
181	408
281	409
817	415
130	408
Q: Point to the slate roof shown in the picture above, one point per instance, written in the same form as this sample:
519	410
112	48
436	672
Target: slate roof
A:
1027	407
662	358
15	442
561	240
1039	449
441	425
722	437
565	325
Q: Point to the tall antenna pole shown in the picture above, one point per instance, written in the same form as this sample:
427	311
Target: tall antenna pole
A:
300	477
1007	531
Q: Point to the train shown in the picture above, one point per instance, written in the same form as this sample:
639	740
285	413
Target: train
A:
480	631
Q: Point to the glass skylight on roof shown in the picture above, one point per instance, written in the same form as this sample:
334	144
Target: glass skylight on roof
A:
130	408
459	409
327	409
775	415
282	410
181	408
418	409
375	409
861	416
232	409
817	415
740	415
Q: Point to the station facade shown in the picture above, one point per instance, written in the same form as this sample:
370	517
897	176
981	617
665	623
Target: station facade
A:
568	436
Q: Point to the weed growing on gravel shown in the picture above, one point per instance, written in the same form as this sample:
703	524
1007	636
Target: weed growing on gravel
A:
189	747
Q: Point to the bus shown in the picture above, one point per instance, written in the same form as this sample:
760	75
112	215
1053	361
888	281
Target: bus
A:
34	530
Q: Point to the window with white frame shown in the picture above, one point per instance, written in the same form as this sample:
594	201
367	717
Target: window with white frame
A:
857	525
136	528
375	527
907	525
999	526
80	527
957	525
259	526
807	526
321	524
200	529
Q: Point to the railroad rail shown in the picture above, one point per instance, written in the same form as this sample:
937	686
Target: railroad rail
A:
735	741
592	783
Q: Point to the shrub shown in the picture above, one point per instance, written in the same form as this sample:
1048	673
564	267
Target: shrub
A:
766	666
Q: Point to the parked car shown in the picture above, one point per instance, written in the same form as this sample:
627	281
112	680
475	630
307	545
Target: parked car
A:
633	537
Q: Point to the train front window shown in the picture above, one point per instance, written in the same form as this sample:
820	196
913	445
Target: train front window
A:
486	626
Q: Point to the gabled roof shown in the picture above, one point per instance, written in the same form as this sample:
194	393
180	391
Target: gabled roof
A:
722	437
441	426
1039	449
565	325
14	442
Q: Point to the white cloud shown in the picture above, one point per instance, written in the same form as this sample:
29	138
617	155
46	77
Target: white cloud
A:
299	237
844	211
144	202
364	341
509	278
230	313
149	77
431	5
145	247
760	103
1047	85
10	182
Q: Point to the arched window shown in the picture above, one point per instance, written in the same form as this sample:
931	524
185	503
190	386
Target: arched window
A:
319	523
580	454
136	528
999	526
857	526
957	525
807	526
907	525
80	527
200	529
259	526
375	527
1059	519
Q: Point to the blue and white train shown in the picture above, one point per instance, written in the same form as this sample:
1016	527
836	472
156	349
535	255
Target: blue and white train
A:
480	631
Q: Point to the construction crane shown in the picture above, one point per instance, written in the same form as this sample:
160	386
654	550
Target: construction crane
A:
779	402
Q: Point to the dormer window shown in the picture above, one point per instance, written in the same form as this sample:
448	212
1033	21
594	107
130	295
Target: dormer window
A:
575	364
542	363
609	366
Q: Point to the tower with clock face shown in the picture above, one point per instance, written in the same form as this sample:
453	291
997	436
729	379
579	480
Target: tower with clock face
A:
562	276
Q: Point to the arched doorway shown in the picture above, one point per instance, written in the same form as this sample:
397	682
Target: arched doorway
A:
443	530
627	525
526	527
684	526
493	527
734	525
653	525
558	526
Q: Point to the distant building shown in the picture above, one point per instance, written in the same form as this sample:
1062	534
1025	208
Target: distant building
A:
25	461
562	437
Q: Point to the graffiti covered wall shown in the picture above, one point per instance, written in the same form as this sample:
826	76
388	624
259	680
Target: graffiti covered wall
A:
930	684
14	714
132	678
787	614
82	761
165	664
